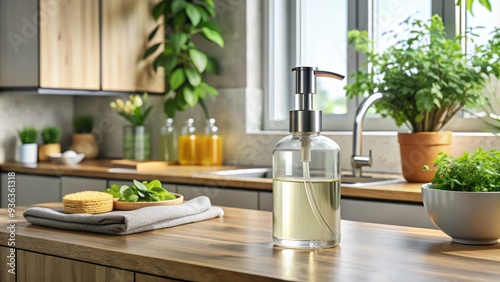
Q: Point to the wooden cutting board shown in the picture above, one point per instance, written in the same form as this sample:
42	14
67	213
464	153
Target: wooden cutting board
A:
140	165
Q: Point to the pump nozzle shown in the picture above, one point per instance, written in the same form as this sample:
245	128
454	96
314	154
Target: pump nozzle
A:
305	118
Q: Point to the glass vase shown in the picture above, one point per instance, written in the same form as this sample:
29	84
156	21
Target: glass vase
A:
137	142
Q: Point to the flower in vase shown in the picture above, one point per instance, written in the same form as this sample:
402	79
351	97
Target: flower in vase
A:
133	109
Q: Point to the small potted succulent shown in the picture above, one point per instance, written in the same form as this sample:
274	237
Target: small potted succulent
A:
463	199
51	138
28	151
84	140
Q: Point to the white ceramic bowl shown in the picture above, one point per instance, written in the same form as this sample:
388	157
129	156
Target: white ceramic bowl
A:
467	217
67	159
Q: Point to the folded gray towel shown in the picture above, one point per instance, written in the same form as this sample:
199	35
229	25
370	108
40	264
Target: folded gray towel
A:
126	222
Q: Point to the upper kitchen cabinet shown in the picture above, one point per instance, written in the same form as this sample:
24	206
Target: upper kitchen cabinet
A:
69	44
125	28
76	46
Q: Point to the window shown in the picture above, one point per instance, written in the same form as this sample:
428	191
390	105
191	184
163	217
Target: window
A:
314	33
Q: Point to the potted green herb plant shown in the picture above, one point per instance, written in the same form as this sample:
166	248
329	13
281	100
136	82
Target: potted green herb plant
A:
184	63
84	140
425	78
51	137
463	199
28	150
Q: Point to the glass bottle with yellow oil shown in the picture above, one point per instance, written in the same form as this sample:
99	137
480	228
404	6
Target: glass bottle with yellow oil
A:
188	144
211	145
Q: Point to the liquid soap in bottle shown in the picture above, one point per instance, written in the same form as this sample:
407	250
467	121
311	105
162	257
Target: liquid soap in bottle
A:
188	144
306	174
211	145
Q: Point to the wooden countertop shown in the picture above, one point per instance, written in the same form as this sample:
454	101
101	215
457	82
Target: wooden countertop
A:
238	247
193	175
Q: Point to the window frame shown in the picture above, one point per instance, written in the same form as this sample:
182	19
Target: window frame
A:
359	17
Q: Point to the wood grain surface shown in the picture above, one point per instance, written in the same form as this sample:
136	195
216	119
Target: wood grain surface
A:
69	44
195	175
238	247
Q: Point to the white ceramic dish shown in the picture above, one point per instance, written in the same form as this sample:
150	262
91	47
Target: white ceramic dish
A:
467	217
67	159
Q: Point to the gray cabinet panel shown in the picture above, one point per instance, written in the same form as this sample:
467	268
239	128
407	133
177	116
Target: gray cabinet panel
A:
266	201
19	43
385	212
71	184
31	189
222	196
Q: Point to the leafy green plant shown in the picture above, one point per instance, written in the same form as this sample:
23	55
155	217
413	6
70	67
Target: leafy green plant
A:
479	172
184	63
28	135
425	77
51	135
140	192
469	3
83	124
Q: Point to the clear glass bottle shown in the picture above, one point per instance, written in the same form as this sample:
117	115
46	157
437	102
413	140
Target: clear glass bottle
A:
168	142
306	175
211	145
188	144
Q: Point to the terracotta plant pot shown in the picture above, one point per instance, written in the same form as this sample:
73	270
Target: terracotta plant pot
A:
419	149
44	151
85	143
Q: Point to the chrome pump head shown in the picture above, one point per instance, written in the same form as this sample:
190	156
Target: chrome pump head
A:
305	118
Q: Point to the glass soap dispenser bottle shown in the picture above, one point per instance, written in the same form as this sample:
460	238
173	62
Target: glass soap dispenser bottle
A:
211	145
188	144
168	142
306	174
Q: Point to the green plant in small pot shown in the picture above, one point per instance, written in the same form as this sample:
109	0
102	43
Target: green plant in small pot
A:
463	199
186	24
84	141
425	79
51	138
28	150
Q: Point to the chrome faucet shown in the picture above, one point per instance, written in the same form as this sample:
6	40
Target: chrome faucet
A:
357	159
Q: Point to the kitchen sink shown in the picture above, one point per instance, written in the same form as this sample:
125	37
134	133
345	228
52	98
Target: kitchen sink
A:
346	180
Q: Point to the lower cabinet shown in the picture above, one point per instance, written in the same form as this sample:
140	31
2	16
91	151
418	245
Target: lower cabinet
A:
7	265
221	196
139	277
404	214
266	201
35	267
30	189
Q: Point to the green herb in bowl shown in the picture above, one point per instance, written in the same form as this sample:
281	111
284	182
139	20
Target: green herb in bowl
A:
477	172
141	192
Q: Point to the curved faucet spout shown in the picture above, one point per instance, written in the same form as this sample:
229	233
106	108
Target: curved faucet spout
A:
357	159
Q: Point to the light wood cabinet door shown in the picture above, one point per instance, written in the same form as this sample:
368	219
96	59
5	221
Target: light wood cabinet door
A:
7	266
126	25
44	268
139	277
69	44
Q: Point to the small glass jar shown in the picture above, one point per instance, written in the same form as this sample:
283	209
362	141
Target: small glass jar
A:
168	142
137	142
188	152
211	145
